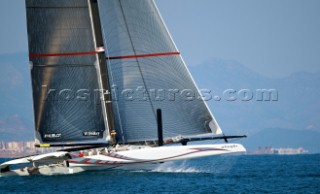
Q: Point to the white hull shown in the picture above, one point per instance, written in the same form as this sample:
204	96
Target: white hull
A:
134	158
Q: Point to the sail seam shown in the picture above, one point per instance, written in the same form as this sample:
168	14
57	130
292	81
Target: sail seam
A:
143	55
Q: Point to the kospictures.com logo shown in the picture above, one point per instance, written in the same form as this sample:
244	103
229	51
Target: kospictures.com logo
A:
142	94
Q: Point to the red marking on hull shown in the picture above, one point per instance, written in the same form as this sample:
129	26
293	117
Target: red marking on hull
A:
138	161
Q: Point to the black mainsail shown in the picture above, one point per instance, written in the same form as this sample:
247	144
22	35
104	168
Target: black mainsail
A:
68	73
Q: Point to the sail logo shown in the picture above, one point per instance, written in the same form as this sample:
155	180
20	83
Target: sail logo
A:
52	135
231	146
91	133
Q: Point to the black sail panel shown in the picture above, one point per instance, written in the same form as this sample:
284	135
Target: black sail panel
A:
64	73
148	73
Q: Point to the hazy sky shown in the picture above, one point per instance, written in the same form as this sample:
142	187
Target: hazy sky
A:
274	37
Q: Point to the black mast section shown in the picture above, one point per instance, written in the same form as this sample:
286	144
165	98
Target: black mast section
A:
102	65
160	130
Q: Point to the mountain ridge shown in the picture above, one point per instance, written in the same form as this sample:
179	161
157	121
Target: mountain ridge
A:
296	106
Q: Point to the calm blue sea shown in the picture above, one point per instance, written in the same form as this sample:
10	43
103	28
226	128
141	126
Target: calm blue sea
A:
222	174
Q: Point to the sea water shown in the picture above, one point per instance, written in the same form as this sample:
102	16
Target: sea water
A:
220	174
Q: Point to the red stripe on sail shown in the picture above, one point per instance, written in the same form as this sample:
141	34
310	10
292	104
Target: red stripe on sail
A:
143	55
109	58
62	54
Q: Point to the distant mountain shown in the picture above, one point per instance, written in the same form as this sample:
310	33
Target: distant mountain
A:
16	128
16	115
15	86
297	106
267	123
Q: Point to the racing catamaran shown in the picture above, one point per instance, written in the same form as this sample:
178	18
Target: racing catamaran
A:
110	86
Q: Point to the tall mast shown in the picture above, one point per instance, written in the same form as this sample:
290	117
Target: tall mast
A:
102	71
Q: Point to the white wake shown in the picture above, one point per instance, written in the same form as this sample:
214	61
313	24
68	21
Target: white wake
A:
177	167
